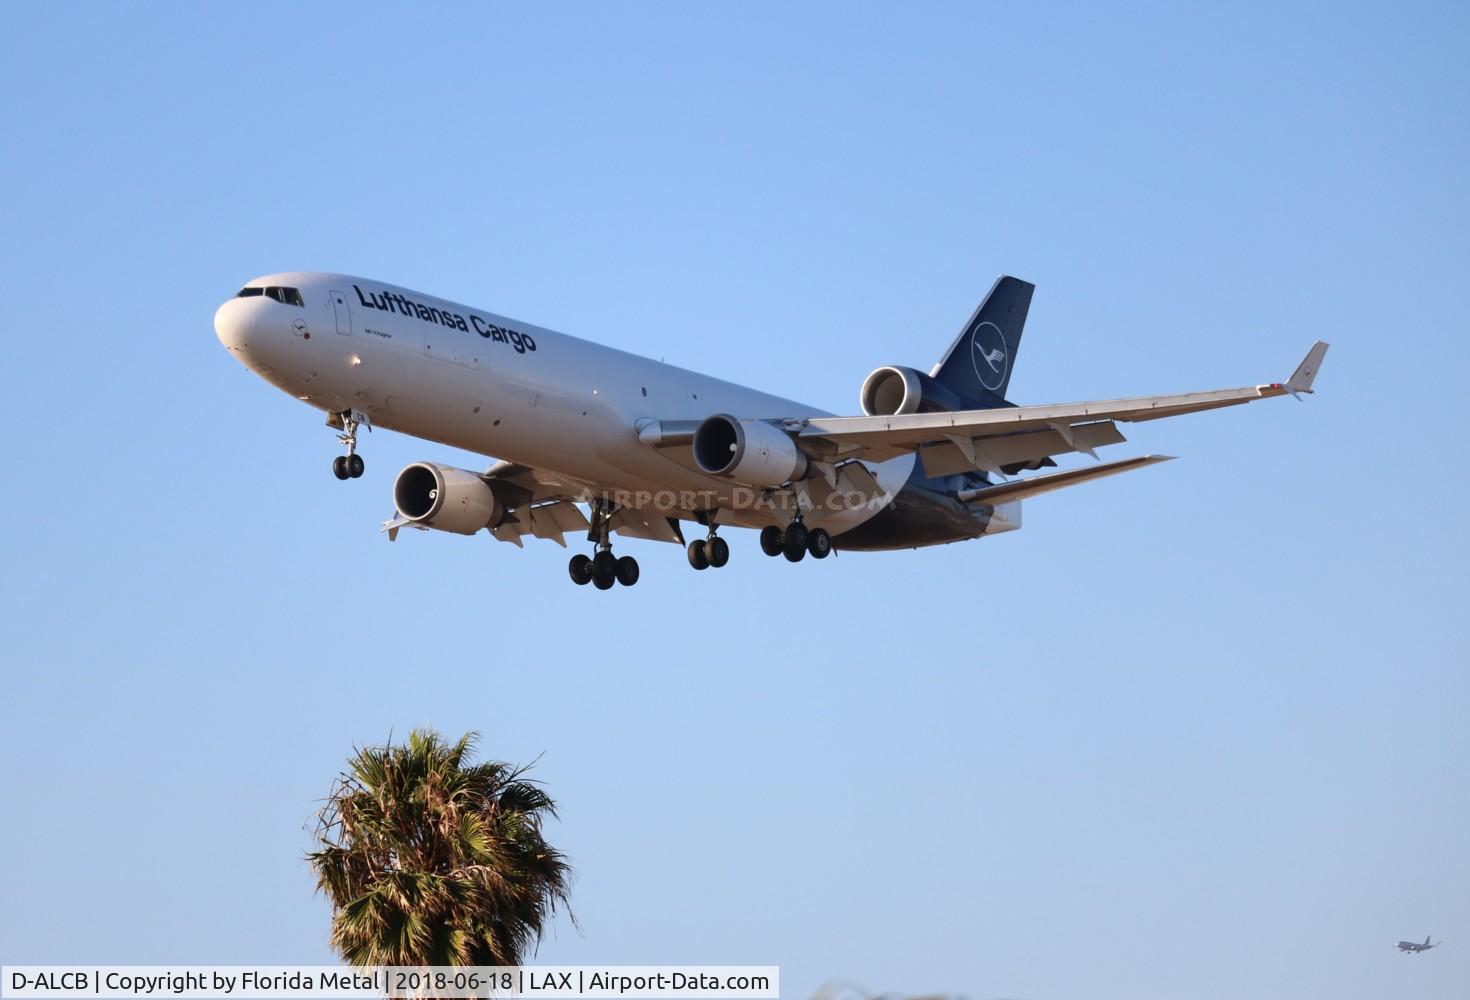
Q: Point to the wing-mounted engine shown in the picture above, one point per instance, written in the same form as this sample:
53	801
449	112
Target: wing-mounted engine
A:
893	389
445	498
751	452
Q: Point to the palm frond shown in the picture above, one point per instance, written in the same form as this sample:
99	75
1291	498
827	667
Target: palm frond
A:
431	859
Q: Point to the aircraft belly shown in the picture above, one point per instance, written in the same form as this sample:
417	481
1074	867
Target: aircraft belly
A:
915	517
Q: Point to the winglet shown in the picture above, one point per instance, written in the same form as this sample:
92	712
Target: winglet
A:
1306	372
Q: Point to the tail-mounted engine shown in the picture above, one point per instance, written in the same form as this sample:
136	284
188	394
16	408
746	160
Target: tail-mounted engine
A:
893	389
446	498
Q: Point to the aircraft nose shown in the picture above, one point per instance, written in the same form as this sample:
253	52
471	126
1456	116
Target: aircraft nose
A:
234	322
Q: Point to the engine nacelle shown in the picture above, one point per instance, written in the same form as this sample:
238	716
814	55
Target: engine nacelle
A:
446	498
751	452
893	389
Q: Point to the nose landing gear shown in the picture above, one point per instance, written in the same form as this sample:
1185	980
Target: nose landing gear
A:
350	465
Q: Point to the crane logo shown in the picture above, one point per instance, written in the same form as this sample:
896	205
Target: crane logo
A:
988	352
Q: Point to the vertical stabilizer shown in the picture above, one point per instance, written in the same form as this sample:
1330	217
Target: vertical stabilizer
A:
979	363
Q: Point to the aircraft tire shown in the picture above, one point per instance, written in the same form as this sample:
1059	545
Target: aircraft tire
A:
580	570
794	544
604	570
339	467
355	465
627	572
717	550
697	556
819	543
771	540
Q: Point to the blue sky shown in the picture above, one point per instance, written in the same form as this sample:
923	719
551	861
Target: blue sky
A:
1199	730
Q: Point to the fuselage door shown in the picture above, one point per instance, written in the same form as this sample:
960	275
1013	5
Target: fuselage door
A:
344	315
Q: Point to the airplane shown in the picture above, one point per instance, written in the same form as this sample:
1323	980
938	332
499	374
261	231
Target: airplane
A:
657	452
1413	947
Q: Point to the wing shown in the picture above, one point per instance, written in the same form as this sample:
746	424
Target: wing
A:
548	508
546	504
1005	440
551	519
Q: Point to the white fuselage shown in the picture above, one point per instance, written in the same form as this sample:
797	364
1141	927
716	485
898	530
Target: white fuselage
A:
479	381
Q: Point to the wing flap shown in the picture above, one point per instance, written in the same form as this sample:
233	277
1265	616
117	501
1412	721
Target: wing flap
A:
949	458
632	522
550	521
509	530
553	520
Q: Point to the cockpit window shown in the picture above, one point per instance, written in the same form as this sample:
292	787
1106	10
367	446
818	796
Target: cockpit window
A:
245	293
285	296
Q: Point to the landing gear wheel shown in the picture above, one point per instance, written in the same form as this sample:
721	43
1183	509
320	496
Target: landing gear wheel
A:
350	465
819	543
698	558
580	570
604	569
627	571
794	544
717	551
771	540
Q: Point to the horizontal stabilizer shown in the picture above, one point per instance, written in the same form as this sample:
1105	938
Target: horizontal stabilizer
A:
1020	489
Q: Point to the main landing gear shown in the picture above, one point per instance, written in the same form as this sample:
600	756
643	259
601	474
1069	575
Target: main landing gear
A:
602	569
706	552
350	465
796	541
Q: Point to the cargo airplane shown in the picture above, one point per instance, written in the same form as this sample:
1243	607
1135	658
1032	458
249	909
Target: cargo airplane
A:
592	440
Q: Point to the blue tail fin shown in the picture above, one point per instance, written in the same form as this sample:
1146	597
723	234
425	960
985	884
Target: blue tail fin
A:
979	363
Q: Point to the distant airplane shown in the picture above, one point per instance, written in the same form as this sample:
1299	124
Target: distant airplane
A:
1413	947
652	451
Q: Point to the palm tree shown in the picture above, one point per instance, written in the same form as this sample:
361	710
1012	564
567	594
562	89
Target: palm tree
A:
430	859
